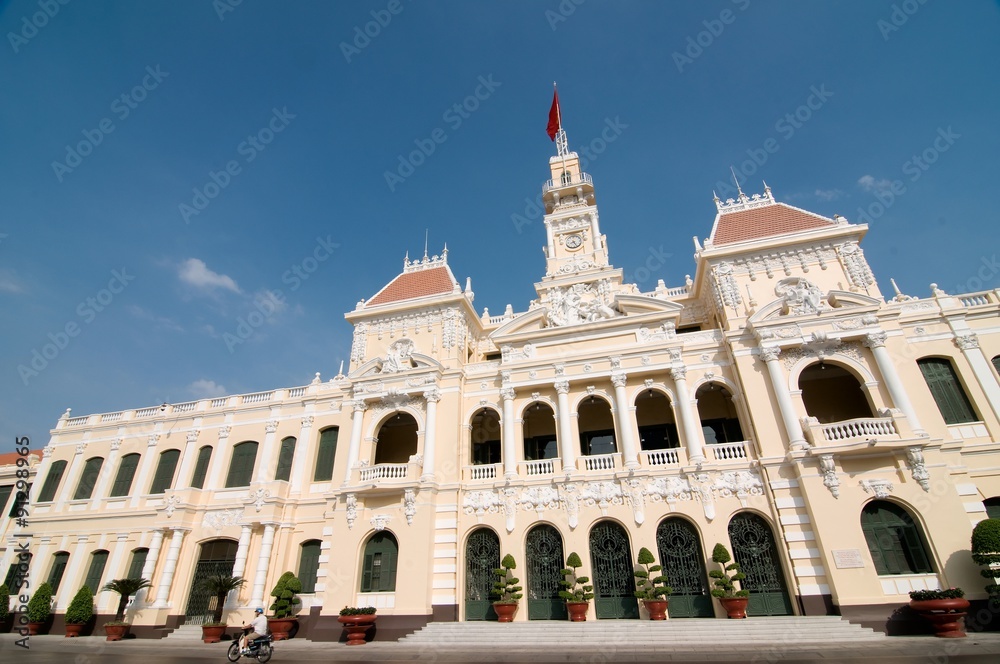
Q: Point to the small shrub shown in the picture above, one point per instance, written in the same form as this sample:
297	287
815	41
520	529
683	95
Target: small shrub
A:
648	586
284	594
358	611
81	609
40	604
4	602
986	552
946	593
724	587
576	589
505	587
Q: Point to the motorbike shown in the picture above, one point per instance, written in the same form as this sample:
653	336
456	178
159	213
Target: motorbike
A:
260	648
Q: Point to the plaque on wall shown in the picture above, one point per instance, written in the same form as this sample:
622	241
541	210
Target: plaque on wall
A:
847	558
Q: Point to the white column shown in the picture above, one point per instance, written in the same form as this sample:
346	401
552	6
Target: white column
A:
629	456
108	469
691	426
111	570
796	439
303	445
240	564
566	443
257	599
70	477
149	459
220	459
187	460
149	566
70	583
355	447
432	397
969	343
167	578
265	469
508	443
900	399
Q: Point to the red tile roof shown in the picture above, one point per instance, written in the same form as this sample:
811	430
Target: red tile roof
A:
419	283
766	221
10	458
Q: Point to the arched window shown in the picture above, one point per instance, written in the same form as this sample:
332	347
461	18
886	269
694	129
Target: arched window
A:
98	559
59	560
137	563
125	475
285	456
567	177
201	467
17	573
539	430
996	363
5	492
947	391
397	439
52	480
88	478
719	421
831	393
378	571
241	465
309	565
597	427
164	477
326	455
895	540
992	507
485	437
657	428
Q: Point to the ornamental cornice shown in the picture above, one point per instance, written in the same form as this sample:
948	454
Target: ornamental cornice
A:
875	340
967	341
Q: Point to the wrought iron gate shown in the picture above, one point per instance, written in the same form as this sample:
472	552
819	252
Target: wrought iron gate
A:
611	561
754	549
544	557
217	557
684	564
482	558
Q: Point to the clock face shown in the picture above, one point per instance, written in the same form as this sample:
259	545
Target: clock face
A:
573	241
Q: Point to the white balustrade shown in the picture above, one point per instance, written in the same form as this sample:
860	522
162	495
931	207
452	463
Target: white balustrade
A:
483	472
76	421
185	407
257	397
599	461
976	299
147	412
728	451
384	471
661	457
220	402
296	391
539	467
111	417
866	427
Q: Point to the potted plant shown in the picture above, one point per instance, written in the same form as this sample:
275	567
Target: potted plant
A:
4	608
80	611
116	629
652	590
506	588
576	592
986	552
40	609
356	621
944	609
283	620
733	601
220	585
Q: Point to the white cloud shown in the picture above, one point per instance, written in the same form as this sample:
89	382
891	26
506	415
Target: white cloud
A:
194	272
206	389
828	194
870	184
9	283
159	321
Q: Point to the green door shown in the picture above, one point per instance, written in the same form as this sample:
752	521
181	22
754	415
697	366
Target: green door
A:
611	562
217	557
754	549
482	558
684	565
544	558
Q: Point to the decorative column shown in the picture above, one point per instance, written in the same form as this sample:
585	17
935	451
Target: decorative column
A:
900	399
566	443
355	447
692	432
432	396
68	586
302	445
187	460
107	470
72	473
509	451
257	598
796	439
267	460
163	590
969	343
240	564
141	486
149	566
221	456
629	456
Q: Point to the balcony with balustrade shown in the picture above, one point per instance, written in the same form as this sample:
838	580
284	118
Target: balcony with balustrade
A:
391	476
860	435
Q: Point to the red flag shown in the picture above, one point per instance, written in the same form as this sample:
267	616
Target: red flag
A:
554	121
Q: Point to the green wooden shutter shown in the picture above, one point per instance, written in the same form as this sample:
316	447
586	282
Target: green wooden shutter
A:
52	480
138	562
201	467
5	492
366	574
58	568
894	540
947	391
20	505
326	455
285	456
241	465
97	562
165	471
88	479
126	472
309	565
379	569
996	364
14	575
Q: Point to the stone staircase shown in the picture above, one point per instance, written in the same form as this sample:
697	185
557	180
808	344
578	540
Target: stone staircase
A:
185	633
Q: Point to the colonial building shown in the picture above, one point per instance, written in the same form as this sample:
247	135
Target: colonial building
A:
840	443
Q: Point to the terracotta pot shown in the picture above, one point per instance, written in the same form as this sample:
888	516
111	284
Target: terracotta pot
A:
505	611
73	629
115	632
36	628
736	607
947	616
212	633
356	626
280	627
657	608
577	611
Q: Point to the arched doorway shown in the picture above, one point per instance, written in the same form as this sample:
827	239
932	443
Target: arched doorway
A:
482	558
684	564
544	560
831	393
754	549
611	562
539	432
396	440
216	557
655	420
597	427
720	423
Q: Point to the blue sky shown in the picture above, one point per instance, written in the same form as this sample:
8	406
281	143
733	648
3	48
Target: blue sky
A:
169	168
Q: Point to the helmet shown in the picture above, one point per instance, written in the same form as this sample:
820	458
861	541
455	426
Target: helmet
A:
258	610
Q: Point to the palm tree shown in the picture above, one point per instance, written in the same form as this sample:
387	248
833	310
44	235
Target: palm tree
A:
125	589
220	585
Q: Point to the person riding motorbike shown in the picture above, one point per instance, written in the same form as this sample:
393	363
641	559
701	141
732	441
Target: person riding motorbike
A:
256	629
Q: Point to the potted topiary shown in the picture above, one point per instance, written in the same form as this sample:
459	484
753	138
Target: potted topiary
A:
944	609
733	601
40	609
986	552
220	586
506	588
5	609
652	590
80	611
116	629
356	621
284	620
575	591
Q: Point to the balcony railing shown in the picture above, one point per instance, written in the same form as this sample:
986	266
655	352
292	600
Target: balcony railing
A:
865	427
978	299
482	472
669	457
559	183
539	467
728	451
384	471
601	461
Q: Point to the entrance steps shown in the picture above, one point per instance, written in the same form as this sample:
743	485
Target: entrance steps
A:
188	633
601	634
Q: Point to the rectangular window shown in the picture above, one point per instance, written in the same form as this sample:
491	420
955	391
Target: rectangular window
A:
593	443
17	573
52	480
97	562
309	565
201	468
59	561
241	465
947	391
285	457
5	492
658	436
20	504
326	455
88	479
138	562
540	447
165	471
126	472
